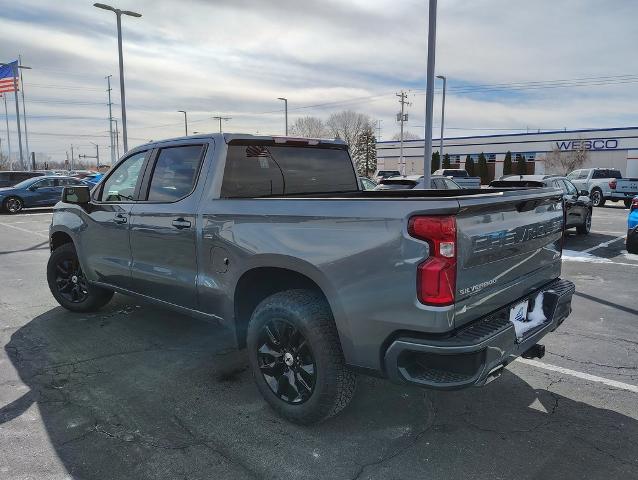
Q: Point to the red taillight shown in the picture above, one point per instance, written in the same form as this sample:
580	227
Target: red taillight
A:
436	276
634	205
612	184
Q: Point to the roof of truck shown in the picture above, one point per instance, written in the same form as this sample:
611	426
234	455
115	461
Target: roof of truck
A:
228	137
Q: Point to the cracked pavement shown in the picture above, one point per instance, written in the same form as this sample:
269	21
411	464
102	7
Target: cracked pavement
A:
135	391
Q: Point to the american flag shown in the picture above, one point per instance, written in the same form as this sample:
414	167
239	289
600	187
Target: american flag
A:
9	77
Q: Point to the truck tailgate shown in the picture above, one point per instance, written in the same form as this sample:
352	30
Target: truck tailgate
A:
628	186
509	245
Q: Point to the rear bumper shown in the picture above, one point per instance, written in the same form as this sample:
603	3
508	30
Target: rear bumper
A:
621	195
471	355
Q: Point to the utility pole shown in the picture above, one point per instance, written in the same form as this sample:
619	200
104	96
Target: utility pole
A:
442	77
378	122
108	82
24	110
402	117
220	118
117	138
72	159
6	116
285	100
429	94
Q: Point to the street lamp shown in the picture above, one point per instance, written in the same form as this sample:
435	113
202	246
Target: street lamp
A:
118	15
185	121
429	93
285	100
442	77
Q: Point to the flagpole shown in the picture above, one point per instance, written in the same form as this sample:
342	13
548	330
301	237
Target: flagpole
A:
6	116
15	94
24	111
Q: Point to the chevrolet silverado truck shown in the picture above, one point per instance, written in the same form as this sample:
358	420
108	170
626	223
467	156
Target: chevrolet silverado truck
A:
273	238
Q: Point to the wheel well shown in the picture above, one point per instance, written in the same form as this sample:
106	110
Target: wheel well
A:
596	188
58	239
259	283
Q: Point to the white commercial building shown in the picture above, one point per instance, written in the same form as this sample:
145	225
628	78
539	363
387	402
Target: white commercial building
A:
606	147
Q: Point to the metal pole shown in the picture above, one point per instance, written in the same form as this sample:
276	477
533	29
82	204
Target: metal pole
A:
108	81
442	77
6	116
15	94
118	14
220	124
285	100
72	159
24	110
185	121
401	161
97	156
429	94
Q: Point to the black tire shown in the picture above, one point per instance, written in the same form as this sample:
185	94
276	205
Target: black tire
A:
13	205
627	203
315	396
585	228
68	284
632	242
597	198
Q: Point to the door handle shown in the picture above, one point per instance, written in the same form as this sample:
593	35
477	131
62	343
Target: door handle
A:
180	223
119	218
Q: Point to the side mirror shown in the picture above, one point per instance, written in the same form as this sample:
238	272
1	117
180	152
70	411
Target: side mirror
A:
77	195
583	193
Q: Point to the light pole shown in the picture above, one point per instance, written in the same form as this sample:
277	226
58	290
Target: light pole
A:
285	100
185	121
118	15
108	83
442	77
16	73
429	94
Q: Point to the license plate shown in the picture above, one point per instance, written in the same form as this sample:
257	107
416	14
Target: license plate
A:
518	313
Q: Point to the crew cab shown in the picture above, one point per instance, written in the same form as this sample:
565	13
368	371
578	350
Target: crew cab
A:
274	239
605	184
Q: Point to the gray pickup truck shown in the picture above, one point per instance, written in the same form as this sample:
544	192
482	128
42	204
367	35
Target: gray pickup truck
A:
273	238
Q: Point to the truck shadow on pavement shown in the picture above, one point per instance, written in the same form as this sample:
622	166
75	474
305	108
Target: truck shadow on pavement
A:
138	392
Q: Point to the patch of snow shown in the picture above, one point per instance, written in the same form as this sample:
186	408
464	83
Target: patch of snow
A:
532	319
576	256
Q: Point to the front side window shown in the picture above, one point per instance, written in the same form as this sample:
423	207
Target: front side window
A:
571	189
451	185
573	174
175	173
120	186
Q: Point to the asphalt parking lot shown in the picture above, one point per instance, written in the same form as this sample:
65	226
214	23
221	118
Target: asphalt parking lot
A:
135	391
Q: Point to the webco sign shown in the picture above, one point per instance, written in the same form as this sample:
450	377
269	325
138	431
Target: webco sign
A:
600	144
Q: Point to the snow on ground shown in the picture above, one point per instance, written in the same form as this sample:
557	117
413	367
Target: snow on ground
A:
576	256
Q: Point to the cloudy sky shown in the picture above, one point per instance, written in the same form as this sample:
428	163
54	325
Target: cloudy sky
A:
235	57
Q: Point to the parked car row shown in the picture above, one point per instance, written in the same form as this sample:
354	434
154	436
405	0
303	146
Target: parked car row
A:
37	191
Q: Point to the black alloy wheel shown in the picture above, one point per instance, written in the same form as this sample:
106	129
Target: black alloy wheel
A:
70	281
13	205
286	361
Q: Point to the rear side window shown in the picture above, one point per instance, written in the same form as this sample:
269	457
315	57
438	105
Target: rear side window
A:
175	173
47	182
265	170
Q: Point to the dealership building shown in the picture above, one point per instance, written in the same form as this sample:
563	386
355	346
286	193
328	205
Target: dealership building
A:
609	147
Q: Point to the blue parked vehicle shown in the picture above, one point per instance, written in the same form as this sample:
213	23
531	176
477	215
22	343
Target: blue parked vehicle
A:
93	179
43	191
632	227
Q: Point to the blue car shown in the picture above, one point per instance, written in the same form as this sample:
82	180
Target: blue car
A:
93	179
632	227
35	192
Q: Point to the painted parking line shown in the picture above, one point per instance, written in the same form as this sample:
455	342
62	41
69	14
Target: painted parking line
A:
583	376
20	229
602	245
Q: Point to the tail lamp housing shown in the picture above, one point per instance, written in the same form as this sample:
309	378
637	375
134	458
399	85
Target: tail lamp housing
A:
634	204
612	184
436	276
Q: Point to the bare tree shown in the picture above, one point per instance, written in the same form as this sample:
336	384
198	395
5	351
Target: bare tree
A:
406	136
309	127
4	161
560	162
349	126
